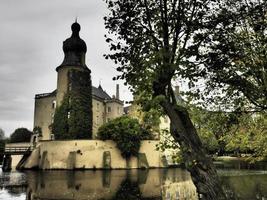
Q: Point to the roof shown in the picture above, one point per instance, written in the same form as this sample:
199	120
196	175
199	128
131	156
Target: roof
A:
96	92
43	95
100	93
126	109
74	49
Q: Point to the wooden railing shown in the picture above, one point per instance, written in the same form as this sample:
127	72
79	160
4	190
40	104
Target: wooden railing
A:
17	150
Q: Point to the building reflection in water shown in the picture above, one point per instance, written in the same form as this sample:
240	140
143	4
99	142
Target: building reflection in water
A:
166	184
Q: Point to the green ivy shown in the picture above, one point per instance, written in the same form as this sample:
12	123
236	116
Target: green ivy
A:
60	126
73	118
80	120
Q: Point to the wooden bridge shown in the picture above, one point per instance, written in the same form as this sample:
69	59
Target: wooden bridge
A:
18	150
11	149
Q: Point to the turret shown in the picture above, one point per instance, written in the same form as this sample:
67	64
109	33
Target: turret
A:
74	49
74	58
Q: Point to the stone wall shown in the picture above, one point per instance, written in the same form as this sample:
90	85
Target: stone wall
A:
114	109
98	115
43	115
91	154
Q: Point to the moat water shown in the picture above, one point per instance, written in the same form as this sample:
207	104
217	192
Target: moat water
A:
239	180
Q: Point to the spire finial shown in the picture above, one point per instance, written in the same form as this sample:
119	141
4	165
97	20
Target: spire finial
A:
75	27
76	18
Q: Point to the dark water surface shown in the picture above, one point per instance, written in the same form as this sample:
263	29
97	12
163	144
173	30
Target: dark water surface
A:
239	180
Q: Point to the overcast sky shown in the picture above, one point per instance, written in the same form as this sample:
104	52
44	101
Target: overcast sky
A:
31	36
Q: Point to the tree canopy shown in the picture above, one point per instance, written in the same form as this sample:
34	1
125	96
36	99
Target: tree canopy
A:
21	135
232	57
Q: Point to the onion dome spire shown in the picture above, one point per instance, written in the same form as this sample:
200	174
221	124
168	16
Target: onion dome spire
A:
74	48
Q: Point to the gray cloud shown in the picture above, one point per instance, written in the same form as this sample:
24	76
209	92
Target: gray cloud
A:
31	36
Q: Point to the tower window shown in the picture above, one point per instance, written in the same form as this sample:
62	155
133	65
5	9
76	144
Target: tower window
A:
109	109
54	104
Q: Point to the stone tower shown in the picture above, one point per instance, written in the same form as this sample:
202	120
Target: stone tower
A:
74	83
74	58
86	113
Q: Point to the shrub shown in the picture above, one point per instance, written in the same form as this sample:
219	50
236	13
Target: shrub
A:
126	132
37	130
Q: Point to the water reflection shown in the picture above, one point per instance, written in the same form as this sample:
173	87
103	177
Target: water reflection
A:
115	184
245	186
153	184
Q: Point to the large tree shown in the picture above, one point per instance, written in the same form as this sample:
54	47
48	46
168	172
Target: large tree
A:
155	42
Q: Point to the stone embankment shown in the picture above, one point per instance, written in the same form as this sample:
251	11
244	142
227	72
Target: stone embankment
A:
91	154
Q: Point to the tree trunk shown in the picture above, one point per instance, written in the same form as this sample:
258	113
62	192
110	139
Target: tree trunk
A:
197	162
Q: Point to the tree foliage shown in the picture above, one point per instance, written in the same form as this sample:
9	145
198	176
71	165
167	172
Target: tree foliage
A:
21	135
2	134
73	118
233	57
37	130
126	132
155	42
212	126
151	41
232	133
248	136
2	144
148	118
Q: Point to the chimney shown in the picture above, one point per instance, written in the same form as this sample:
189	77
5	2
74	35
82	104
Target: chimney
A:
117	91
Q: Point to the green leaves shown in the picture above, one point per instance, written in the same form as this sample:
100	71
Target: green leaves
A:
234	57
248	136
126	132
60	127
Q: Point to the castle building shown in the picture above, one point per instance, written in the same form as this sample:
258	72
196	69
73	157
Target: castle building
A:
104	107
